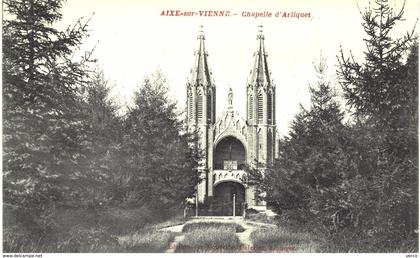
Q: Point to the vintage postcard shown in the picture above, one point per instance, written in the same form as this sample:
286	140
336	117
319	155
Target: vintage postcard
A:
233	127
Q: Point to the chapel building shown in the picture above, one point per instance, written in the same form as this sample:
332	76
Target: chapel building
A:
231	143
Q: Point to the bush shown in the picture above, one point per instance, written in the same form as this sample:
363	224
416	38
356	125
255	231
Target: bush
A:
126	221
81	240
251	211
17	240
227	226
261	217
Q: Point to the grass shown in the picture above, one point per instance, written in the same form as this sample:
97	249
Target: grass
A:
269	240
227	226
112	229
210	237
147	241
209	240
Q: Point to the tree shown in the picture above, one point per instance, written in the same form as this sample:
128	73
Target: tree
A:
370	87
382	90
42	89
102	164
161	164
312	160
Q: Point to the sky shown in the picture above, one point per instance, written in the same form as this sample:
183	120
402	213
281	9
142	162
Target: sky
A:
132	40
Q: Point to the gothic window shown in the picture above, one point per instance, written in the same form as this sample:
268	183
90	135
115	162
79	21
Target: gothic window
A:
213	97
200	107
270	107
190	105
260	107
250	106
260	139
209	106
269	146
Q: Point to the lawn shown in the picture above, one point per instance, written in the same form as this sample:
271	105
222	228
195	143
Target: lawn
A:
210	237
80	230
278	240
228	226
146	242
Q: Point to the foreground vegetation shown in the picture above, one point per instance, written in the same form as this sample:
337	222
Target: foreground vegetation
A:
281	240
210	237
202	226
109	230
151	241
351	177
66	150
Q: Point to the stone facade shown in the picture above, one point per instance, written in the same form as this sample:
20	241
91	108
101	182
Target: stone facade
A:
231	143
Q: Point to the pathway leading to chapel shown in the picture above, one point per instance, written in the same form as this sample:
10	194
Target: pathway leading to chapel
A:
244	236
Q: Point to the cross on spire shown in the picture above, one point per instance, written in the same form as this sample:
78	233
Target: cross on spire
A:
200	73
259	72
260	34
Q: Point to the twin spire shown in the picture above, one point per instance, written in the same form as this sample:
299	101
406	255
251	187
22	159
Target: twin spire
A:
260	73
200	73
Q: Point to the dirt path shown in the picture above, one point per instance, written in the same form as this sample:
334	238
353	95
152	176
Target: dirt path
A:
249	227
176	229
244	237
174	244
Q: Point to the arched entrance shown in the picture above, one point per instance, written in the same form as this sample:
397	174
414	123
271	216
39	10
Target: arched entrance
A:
224	192
229	154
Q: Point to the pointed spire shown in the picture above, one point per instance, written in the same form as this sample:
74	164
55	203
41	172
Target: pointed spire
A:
200	73
260	73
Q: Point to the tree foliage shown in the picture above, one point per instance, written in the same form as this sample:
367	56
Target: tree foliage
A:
161	164
312	159
357	183
64	145
42	88
383	90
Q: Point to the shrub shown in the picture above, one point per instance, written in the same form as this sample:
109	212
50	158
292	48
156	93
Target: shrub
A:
126	221
251	211
16	240
259	217
81	240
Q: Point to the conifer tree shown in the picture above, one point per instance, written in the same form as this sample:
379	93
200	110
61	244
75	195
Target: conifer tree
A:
383	92
43	133
161	163
311	159
102	167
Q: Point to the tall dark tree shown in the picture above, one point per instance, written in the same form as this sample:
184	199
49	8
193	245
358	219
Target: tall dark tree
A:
370	88
383	92
312	160
42	132
161	163
102	146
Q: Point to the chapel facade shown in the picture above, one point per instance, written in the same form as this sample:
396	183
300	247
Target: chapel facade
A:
231	143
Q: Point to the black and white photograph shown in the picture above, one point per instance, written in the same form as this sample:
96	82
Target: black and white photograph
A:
236	127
